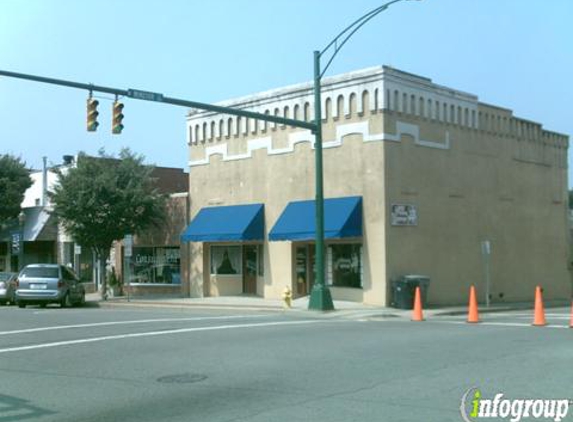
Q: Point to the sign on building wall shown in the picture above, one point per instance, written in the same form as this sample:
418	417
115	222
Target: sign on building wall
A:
155	265
128	246
404	215
16	243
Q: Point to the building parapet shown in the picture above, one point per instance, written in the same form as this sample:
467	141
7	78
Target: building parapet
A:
371	90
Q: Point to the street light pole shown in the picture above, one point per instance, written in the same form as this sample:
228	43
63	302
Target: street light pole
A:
22	221
320	297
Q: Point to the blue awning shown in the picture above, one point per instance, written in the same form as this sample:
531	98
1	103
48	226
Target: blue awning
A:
235	223
342	218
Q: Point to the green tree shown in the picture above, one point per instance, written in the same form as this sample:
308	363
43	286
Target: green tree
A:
571	199
103	199
14	180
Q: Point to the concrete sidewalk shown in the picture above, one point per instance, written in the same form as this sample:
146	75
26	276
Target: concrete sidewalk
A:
224	302
342	308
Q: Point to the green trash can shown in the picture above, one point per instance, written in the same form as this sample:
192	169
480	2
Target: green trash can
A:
402	294
404	288
418	280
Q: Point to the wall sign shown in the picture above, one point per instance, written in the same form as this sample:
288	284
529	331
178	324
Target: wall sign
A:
16	243
404	215
128	246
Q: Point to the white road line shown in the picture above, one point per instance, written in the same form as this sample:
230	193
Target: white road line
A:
527	315
502	324
138	321
560	316
153	333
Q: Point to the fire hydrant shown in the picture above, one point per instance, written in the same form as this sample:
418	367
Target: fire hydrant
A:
287	297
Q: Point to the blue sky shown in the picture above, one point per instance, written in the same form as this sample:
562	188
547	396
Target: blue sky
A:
512	53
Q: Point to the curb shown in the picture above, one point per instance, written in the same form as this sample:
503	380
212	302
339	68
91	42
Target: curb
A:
114	303
378	313
482	311
505	308
122	304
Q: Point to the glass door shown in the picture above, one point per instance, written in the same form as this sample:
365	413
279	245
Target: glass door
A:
250	269
311	267
301	265
305	269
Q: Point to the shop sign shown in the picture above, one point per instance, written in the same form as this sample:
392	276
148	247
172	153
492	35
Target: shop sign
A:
404	215
15	243
128	246
157	256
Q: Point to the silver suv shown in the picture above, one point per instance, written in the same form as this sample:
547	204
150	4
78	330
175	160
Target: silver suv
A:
7	287
49	283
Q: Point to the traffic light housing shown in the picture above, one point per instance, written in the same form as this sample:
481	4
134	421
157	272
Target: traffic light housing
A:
116	125
92	122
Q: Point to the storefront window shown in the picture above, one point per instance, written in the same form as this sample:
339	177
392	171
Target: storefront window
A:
156	265
86	265
226	260
345	265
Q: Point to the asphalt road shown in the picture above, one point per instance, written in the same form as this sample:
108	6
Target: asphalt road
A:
96	364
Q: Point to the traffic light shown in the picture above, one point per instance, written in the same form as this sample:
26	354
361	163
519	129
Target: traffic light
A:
116	125
92	123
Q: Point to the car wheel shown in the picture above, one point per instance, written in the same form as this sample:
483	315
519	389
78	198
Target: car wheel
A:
82	300
66	302
21	304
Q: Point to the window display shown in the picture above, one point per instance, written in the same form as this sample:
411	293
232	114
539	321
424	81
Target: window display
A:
226	260
345	265
151	265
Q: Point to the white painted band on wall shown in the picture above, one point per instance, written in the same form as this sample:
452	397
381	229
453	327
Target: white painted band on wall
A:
359	128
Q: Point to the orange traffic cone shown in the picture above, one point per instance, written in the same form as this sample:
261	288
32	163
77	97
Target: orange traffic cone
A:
539	316
473	315
417	315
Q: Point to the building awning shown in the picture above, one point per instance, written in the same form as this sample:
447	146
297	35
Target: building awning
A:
342	218
234	223
39	225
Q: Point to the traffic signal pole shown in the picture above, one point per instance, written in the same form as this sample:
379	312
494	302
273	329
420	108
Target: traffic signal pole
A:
156	97
320	298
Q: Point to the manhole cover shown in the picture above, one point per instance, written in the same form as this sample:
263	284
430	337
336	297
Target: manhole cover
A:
182	378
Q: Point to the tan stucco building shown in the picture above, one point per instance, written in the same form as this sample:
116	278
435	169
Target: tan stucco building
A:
439	180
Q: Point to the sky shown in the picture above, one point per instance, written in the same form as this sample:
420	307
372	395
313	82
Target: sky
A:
516	54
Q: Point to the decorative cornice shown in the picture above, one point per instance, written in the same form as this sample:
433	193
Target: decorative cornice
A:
294	138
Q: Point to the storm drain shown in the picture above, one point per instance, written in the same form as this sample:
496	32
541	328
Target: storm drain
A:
182	378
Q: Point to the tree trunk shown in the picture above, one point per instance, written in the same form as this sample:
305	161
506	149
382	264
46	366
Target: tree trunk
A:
102	255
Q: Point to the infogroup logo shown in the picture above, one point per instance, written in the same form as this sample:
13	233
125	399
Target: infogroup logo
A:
474	407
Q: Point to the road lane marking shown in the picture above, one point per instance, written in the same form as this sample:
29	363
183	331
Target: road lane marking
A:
153	333
501	324
138	321
557	316
526	315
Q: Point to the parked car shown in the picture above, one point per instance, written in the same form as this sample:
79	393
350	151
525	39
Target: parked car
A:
7	287
49	283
